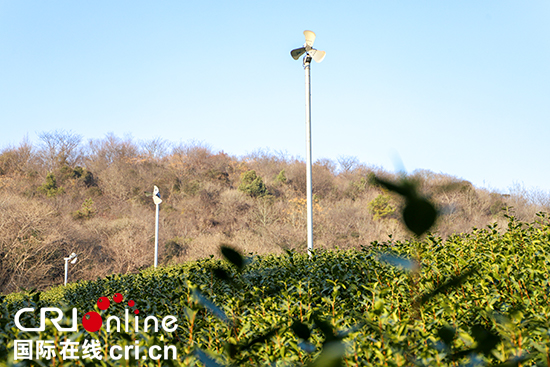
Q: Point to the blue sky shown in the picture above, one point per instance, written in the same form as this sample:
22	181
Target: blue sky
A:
457	87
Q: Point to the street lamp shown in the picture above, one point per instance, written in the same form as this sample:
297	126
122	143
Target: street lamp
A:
157	200
71	258
318	56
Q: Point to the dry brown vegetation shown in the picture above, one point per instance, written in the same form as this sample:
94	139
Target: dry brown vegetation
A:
94	199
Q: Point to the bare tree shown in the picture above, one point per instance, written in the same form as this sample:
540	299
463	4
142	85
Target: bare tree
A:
347	163
112	149
59	148
156	148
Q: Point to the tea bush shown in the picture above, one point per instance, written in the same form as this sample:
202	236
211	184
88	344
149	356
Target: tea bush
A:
479	298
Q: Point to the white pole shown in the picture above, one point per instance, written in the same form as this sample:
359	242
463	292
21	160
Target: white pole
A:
307	63
66	269
156	235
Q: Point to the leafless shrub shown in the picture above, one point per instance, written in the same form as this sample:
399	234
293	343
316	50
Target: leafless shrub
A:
191	157
526	202
296	174
33	242
131	243
18	160
323	179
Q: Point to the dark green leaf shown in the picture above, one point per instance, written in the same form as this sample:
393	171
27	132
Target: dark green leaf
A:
447	334
220	273
403	190
419	215
301	330
326	329
36	297
486	339
232	256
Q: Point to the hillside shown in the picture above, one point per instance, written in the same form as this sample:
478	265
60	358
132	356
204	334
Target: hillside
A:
93	198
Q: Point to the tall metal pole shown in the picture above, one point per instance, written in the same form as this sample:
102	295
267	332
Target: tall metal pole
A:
156	234
66	269
307	63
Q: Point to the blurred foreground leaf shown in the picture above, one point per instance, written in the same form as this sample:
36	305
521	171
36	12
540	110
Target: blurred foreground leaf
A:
331	356
449	284
400	262
206	359
233	256
419	213
211	306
